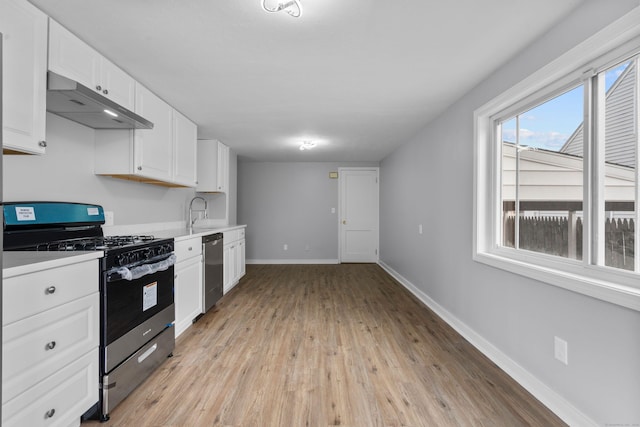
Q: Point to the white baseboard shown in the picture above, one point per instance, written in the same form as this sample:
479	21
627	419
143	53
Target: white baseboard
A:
552	400
292	261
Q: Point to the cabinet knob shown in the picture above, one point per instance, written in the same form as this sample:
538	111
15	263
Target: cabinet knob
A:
139	168
344	222
50	290
50	345
190	248
42	143
50	413
98	88
106	92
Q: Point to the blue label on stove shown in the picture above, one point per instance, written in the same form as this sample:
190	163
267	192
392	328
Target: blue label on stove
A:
17	214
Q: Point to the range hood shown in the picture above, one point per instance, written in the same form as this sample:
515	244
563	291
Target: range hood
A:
74	101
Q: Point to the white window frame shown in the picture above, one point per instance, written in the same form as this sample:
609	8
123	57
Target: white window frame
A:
584	276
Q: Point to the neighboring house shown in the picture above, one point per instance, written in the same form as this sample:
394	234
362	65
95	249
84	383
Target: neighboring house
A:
620	122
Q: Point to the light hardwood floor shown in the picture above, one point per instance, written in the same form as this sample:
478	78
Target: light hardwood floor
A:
326	345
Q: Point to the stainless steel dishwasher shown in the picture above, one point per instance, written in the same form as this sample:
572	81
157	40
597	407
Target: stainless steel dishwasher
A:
213	270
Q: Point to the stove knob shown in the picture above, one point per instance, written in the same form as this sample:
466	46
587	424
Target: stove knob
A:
119	260
147	254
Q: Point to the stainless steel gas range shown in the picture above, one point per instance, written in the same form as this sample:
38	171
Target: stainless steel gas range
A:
136	288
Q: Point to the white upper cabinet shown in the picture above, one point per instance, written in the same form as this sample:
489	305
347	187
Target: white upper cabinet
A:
185	136
164	155
213	166
24	77
72	58
154	147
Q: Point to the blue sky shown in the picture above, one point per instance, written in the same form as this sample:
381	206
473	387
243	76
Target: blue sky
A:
549	125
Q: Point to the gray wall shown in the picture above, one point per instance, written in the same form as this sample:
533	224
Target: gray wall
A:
65	173
429	181
289	203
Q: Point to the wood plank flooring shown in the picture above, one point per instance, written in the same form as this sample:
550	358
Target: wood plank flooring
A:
326	345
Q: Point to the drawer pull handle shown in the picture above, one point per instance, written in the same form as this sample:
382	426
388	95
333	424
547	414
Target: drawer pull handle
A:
147	353
51	345
50	290
50	413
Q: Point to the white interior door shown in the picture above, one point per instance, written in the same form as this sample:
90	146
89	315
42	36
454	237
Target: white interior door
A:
359	211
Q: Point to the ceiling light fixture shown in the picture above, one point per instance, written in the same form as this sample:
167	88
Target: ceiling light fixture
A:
292	7
307	145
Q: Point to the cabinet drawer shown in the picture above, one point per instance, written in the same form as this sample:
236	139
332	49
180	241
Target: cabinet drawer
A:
59	400
35	348
26	295
186	249
230	236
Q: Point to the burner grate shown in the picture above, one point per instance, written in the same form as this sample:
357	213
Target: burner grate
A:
94	243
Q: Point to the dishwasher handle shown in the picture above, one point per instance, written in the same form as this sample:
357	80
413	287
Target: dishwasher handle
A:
212	238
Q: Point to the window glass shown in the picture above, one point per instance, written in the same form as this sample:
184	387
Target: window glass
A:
542	177
621	143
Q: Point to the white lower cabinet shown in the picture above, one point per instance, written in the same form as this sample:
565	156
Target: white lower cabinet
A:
188	283
50	347
233	258
59	400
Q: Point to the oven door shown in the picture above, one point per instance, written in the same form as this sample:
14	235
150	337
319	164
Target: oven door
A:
134	311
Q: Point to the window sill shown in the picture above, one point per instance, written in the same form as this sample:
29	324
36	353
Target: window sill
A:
602	289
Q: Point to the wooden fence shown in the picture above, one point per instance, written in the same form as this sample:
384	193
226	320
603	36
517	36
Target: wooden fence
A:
550	235
619	249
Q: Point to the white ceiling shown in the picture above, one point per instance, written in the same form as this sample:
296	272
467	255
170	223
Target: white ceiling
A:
357	76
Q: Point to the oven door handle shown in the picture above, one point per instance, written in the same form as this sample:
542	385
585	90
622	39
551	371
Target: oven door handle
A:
126	273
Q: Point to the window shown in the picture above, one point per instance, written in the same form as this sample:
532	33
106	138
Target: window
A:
556	177
542	176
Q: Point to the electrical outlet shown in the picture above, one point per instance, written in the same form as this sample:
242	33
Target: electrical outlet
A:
108	218
333	210
419	228
307	248
285	247
561	350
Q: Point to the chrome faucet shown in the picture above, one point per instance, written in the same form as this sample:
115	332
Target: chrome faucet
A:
192	220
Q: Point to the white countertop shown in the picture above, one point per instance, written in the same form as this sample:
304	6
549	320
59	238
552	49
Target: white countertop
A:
16	263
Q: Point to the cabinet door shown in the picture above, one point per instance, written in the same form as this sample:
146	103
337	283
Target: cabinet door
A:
223	168
185	145
229	267
207	165
153	147
71	57
187	292
117	85
241	260
24	54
